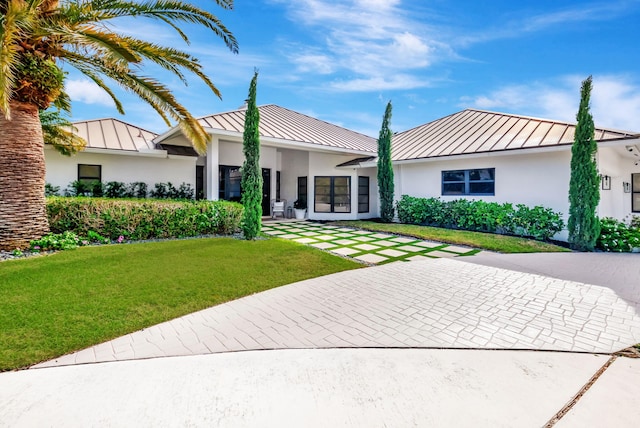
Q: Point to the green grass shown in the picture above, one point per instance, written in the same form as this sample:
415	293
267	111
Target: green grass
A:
52	305
486	241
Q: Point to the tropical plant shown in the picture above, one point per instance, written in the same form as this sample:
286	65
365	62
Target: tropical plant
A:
57	131
251	174
584	185
36	36
300	204
385	168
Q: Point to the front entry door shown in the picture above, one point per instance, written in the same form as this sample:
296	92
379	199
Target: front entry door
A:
266	191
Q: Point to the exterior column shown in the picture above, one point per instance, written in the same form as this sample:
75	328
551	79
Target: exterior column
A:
211	181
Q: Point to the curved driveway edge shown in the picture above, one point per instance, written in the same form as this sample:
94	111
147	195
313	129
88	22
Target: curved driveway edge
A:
440	303
305	388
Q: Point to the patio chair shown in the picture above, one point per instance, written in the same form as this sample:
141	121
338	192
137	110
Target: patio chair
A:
278	207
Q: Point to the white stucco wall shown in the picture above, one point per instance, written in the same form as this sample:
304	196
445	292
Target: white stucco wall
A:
62	170
528	178
615	203
293	164
323	164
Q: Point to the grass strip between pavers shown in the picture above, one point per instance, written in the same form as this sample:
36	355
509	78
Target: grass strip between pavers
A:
363	245
52	305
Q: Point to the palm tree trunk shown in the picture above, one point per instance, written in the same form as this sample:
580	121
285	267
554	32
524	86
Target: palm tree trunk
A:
23	214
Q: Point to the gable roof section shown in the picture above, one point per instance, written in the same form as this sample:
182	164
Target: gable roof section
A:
477	131
284	124
114	134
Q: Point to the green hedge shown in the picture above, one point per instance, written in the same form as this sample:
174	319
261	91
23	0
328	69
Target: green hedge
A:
142	219
537	222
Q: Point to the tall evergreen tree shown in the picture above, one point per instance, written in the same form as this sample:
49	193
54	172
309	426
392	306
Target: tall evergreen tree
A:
584	187
251	172
385	168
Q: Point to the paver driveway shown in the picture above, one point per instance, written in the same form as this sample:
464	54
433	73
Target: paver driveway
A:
439	303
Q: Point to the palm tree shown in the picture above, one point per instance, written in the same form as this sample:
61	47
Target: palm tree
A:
36	38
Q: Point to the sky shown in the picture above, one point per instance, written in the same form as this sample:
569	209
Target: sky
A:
342	60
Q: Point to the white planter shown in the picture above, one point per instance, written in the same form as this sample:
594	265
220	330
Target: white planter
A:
300	213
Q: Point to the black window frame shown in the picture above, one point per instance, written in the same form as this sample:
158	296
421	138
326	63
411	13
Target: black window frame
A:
363	194
224	180
89	178
303	189
332	194
635	193
467	182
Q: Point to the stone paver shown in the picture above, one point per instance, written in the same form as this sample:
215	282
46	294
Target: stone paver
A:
437	303
343	241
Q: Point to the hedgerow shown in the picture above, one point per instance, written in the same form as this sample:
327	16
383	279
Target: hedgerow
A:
142	219
520	220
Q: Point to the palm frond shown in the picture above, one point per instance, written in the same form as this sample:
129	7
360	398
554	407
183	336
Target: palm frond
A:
58	132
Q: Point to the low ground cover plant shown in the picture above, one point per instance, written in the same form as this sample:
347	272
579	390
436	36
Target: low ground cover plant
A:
142	219
618	236
520	220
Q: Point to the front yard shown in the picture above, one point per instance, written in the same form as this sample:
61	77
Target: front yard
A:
52	305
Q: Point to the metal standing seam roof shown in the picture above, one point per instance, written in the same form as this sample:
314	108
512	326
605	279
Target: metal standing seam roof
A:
281	123
478	131
114	134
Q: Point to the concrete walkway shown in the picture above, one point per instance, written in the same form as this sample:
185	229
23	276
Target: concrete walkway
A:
480	314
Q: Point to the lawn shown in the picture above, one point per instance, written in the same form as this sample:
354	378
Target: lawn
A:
56	304
486	241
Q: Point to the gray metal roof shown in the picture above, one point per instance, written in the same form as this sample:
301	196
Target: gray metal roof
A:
477	131
114	134
281	123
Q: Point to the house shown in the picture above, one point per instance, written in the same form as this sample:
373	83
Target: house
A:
471	154
118	151
507	158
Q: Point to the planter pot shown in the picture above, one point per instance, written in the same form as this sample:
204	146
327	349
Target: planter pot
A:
300	213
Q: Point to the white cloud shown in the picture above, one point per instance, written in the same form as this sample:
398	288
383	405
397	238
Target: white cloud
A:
615	100
85	91
373	42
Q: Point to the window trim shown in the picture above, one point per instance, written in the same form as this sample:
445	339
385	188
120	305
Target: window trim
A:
467	182
332	195
366	180
87	179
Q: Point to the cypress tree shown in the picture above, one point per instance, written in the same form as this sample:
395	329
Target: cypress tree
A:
584	187
385	168
251	172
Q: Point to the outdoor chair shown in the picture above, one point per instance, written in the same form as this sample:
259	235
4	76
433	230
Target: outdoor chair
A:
278	207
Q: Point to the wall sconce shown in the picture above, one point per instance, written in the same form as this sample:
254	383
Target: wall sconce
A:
627	187
606	182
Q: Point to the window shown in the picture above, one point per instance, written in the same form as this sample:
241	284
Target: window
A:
363	194
635	193
278	185
302	188
469	182
332	194
89	173
229	183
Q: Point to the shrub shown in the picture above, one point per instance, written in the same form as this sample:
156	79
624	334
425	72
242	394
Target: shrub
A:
56	241
142	219
537	222
51	190
115	189
617	236
77	188
137	189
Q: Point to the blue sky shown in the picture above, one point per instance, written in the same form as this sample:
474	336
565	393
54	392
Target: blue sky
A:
342	60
